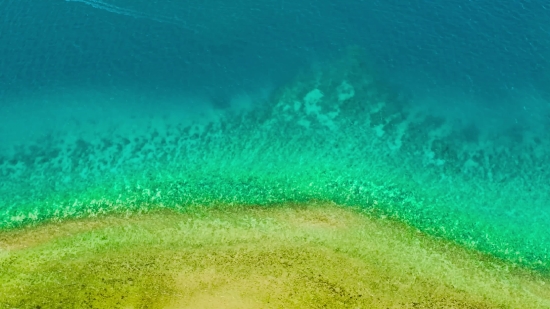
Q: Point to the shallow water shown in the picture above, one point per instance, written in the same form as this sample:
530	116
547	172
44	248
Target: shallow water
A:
287	256
437	115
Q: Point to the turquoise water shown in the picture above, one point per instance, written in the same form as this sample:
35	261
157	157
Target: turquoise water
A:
435	115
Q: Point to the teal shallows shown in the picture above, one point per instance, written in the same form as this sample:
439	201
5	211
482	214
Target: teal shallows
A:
336	133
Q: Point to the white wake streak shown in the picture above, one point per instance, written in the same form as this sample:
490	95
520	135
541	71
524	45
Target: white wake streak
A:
97	4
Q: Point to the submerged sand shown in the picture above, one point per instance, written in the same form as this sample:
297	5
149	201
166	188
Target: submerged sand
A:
317	255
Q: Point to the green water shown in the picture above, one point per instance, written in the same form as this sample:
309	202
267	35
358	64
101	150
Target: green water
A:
337	132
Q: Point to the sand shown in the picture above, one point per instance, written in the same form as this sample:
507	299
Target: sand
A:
316	255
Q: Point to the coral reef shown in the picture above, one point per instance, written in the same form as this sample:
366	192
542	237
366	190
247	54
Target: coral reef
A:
336	133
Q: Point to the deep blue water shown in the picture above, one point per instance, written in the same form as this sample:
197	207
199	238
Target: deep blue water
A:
491	54
90	89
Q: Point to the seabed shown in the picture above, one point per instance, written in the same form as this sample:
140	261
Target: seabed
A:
314	255
336	192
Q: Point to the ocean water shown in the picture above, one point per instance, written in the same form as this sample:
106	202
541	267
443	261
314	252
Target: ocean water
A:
436	114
